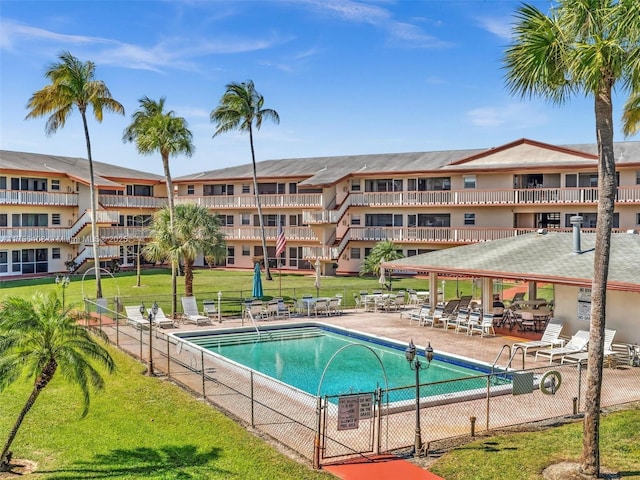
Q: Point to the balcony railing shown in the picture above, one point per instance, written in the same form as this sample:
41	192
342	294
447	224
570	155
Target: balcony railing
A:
30	235
320	253
102	216
253	233
132	201
104	252
21	197
293	200
491	197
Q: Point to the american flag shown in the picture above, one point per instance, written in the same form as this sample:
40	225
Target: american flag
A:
281	242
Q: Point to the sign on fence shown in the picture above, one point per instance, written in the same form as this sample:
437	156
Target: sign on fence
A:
352	408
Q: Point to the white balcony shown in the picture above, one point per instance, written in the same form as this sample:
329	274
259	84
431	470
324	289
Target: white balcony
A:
253	233
127	201
293	200
21	197
34	235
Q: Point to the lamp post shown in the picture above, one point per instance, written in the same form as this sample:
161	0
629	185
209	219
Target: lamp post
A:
219	304
152	315
63	281
415	364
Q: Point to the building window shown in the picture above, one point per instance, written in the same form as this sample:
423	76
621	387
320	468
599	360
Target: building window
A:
355	219
191	189
231	255
246	219
469	181
355	253
30	260
246	250
246	188
55	219
4	261
3	220
228	220
55	185
55	252
469	218
637	179
355	185
637	218
140	190
3	183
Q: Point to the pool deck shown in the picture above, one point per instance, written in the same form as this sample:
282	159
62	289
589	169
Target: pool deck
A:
393	325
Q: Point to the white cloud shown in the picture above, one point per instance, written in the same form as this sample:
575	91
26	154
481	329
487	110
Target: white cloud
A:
500	27
515	116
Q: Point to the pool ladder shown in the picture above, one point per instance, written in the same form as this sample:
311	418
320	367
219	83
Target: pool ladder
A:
512	355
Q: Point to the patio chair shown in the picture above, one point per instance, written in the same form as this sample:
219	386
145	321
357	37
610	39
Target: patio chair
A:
435	319
453	321
339	307
255	310
160	319
583	356
464	302
190	313
271	310
450	308
358	300
209	309
334	303
519	296
416	314
577	343
485	326
321	305
136	319
465	325
283	310
550	338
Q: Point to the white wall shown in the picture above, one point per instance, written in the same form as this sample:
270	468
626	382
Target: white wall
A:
622	315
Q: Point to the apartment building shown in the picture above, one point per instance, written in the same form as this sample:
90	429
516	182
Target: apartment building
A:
331	209
45	214
336	209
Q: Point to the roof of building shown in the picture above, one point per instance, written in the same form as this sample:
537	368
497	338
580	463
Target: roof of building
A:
546	256
105	175
518	155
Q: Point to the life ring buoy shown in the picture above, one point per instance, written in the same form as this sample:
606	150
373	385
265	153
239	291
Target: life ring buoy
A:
555	382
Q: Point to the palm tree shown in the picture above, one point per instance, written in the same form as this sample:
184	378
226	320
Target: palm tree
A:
587	47
154	130
239	108
195	231
73	85
383	252
631	115
39	338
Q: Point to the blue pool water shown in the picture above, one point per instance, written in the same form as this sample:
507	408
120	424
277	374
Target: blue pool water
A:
298	355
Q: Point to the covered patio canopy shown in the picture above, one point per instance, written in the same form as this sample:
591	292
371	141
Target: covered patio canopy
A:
549	257
535	257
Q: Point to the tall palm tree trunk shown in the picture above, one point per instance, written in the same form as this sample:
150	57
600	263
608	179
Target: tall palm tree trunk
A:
42	381
94	206
174	267
590	462
263	237
188	277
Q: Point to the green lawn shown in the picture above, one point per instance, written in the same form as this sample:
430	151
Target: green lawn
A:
523	456
139	427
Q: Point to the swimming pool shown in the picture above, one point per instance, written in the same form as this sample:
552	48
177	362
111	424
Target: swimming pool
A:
299	354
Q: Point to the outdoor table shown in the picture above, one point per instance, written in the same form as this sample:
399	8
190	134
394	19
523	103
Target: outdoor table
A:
540	317
307	304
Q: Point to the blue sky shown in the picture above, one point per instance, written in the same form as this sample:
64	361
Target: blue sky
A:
346	77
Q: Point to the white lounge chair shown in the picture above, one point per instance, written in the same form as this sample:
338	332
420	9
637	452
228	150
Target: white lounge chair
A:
484	327
190	312
137	319
583	356
550	338
578	343
160	319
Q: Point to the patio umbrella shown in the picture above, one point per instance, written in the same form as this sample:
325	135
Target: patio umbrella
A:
317	282
383	279
257	282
